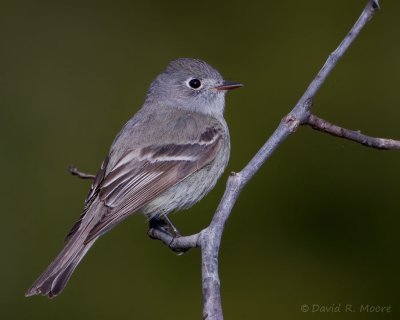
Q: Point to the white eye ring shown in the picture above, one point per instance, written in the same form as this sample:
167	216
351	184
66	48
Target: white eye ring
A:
194	83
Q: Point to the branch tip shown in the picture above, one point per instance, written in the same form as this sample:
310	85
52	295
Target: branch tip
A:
75	172
322	125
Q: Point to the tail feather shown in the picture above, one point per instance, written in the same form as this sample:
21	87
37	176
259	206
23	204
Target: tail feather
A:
54	279
56	276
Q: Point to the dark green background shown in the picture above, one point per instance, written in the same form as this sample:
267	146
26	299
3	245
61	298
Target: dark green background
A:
317	225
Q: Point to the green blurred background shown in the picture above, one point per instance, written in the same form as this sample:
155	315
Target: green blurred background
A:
317	225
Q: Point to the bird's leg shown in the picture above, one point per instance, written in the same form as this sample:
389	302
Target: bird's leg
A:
164	224
171	227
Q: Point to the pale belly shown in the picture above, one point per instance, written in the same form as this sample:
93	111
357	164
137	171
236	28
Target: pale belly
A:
190	190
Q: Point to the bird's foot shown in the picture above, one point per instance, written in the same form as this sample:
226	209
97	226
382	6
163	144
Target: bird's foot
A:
162	228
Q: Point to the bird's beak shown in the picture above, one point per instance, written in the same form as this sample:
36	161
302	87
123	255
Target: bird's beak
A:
227	85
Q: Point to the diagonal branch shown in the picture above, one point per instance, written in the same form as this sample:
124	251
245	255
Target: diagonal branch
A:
378	143
210	239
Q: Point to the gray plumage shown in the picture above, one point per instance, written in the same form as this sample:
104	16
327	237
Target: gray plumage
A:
165	158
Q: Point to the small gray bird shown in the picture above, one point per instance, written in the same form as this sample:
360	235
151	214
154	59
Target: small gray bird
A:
167	157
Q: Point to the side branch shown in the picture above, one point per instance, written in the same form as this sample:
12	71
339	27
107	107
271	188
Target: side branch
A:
75	172
378	143
177	244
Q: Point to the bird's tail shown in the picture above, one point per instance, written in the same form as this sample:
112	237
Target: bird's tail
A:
57	274
54	279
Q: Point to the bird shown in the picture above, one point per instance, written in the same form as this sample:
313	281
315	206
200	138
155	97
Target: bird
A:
166	158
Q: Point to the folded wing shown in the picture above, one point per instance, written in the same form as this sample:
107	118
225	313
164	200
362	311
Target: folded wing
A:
142	174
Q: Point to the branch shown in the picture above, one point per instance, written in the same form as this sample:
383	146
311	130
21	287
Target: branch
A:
378	143
210	238
177	244
75	172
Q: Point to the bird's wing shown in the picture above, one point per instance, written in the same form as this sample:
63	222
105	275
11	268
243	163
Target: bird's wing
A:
141	175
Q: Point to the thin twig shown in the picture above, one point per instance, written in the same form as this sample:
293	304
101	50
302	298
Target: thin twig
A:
75	172
378	143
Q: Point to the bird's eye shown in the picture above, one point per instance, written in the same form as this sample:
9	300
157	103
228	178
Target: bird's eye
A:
195	83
